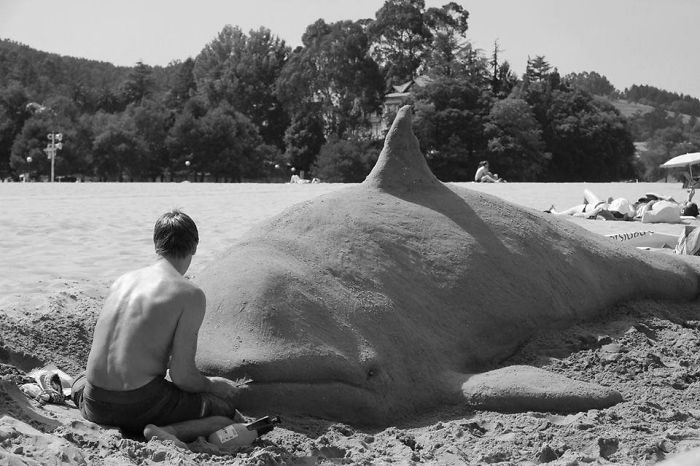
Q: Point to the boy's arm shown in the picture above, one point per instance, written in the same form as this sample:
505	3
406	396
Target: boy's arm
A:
183	371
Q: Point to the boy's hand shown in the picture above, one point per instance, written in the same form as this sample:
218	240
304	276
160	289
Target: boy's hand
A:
227	389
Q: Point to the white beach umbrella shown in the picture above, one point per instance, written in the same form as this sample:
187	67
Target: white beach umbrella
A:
685	160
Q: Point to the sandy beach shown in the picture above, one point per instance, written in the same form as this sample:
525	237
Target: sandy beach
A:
63	244
86	231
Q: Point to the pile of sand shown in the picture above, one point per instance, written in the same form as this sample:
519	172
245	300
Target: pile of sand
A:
647	350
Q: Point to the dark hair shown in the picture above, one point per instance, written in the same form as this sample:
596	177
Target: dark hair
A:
691	209
483	163
175	234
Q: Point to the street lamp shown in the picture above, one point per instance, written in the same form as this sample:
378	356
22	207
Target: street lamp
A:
54	138
29	168
54	145
187	164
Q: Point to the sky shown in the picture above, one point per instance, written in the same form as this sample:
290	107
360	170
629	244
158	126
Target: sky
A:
628	41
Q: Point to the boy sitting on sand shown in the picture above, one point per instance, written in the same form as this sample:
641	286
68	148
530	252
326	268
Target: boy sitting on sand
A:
149	325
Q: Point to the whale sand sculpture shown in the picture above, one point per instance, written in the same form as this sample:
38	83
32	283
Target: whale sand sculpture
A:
384	299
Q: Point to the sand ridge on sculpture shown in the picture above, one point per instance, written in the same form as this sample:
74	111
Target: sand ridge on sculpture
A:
372	303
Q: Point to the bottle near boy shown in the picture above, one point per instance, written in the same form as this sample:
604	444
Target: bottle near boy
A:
240	434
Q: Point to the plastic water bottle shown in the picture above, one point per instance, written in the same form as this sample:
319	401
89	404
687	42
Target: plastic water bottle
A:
240	434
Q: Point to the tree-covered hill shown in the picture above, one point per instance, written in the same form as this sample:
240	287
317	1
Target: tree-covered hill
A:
88	83
44	75
248	107
665	100
663	123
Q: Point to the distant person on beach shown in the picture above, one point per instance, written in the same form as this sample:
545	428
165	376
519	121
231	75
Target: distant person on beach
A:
591	207
483	175
149	325
654	208
657	209
585	210
651	208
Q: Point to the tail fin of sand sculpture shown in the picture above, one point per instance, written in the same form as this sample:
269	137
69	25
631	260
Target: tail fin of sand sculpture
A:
375	302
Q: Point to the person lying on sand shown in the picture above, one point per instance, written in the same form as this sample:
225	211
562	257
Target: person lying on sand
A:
658	209
149	325
649	209
591	207
586	210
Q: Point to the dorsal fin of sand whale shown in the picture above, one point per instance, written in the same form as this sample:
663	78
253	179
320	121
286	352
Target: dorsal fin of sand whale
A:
401	165
394	296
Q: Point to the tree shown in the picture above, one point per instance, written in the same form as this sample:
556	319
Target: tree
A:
591	82
242	70
304	138
400	36
507	81
515	140
257	71
13	114
646	125
219	141
118	153
537	69
151	122
31	142
503	79
109	101
210	65
59	115
450	114
589	139
447	26
334	70
138	85
660	98
345	161
183	87
64	116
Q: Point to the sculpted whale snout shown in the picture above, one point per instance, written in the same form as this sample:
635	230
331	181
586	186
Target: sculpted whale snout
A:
328	385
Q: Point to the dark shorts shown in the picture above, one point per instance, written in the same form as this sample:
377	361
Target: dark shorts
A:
159	402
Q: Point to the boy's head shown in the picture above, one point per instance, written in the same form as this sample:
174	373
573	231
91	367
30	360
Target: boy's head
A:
175	235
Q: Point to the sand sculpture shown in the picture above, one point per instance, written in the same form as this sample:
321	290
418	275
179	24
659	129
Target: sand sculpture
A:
381	300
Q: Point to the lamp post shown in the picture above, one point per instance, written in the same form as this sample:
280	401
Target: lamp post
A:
54	138
54	145
187	164
29	169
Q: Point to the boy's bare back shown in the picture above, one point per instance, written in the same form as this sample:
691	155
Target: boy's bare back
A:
138	327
